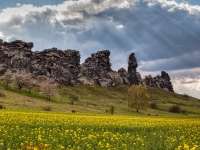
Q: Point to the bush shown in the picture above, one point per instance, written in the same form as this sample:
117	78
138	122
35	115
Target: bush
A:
111	109
47	108
175	109
2	107
184	111
2	95
73	111
185	96
153	105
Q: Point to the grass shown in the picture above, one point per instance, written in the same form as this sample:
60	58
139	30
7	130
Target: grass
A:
96	100
32	94
165	100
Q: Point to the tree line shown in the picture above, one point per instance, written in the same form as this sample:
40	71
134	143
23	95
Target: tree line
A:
23	79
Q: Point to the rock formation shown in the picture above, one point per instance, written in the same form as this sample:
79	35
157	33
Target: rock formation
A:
65	67
132	65
15	55
124	75
96	70
62	65
162	81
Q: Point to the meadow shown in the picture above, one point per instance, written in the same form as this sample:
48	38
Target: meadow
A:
64	131
96	100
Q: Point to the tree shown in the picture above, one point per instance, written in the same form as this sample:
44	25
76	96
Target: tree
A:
185	96
7	78
73	98
20	79
175	108
153	105
30	84
49	88
111	109
138	97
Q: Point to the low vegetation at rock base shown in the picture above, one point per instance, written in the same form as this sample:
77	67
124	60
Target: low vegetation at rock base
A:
58	131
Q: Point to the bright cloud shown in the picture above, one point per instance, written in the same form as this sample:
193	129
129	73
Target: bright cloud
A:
119	26
197	87
18	4
1	35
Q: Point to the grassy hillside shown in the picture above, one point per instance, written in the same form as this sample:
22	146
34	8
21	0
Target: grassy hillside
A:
94	99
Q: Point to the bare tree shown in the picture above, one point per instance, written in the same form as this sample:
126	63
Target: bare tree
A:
20	79
138	97
7	78
49	88
73	98
30	83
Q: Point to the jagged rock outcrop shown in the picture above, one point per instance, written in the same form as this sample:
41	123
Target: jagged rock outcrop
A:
15	55
96	70
132	65
139	78
162	81
149	81
62	65
124	75
166	81
54	63
65	67
97	66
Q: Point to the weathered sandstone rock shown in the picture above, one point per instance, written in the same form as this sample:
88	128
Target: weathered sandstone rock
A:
65	67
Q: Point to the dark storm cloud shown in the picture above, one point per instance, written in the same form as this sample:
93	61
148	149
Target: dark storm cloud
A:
97	1
187	61
152	32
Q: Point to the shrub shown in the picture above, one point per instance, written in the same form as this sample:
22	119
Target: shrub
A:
73	111
175	109
2	95
2	107
47	108
184	111
185	96
153	105
111	109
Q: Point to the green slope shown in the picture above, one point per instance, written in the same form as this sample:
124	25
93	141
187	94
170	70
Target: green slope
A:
94	99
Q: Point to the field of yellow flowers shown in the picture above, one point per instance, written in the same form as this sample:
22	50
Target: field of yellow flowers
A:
59	131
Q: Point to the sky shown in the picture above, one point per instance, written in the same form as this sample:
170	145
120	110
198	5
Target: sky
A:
163	34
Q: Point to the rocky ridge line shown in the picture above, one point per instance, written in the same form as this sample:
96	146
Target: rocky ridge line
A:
64	65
